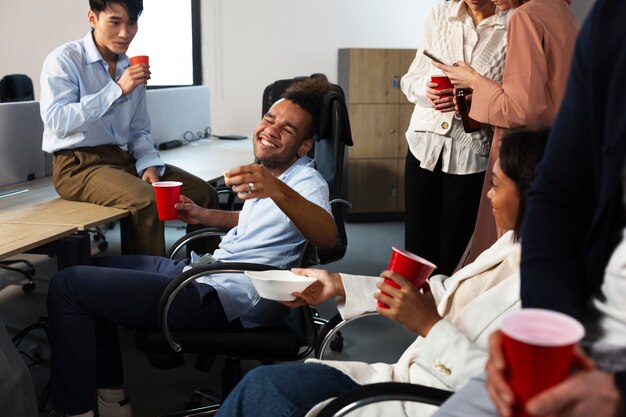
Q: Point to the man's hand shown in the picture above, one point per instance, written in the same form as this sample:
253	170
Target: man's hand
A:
132	77
499	390
151	175
443	104
251	181
460	74
188	211
327	286
586	393
408	306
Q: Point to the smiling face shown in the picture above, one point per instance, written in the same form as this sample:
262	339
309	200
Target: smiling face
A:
505	199
280	137
113	30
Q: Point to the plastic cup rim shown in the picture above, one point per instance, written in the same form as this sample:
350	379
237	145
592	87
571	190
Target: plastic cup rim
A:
167	184
578	331
414	257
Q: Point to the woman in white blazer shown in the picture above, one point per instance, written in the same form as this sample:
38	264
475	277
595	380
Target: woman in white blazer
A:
452	317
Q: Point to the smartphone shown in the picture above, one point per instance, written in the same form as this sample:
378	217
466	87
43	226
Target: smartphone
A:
435	58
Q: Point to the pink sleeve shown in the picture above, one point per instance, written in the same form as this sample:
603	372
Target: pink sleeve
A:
521	99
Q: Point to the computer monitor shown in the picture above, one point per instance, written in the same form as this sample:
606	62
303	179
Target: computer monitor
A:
175	110
21	131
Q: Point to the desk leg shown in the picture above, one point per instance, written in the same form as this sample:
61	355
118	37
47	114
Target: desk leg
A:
125	226
70	250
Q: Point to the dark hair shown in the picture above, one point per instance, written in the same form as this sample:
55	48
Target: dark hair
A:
520	153
308	94
133	7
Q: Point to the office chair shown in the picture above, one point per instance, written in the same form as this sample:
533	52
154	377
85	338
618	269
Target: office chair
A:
16	87
384	391
295	338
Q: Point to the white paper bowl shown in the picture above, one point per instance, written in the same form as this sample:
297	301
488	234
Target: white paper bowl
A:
278	285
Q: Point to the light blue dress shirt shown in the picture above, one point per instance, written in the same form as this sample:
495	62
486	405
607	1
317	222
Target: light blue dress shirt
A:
82	106
264	234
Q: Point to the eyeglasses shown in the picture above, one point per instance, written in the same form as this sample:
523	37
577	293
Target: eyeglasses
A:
189	136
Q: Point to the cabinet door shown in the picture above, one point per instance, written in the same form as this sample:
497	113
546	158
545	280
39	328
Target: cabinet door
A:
373	75
404	117
406	58
374	130
373	185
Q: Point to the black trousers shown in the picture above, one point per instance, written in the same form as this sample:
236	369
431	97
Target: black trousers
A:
440	213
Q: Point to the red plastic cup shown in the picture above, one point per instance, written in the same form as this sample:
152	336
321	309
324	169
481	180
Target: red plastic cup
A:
167	194
538	347
140	59
443	83
410	266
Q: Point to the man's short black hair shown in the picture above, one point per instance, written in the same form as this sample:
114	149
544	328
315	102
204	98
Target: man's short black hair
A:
133	7
308	94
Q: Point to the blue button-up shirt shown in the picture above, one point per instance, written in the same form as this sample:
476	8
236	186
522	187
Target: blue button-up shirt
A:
82	106
264	234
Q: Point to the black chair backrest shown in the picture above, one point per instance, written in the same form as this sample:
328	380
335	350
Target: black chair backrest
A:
16	87
333	135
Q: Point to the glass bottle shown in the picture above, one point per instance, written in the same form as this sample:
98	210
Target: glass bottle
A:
469	125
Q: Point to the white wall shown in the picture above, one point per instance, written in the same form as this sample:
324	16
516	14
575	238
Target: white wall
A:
246	43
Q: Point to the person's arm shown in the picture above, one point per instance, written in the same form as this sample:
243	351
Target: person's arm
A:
416	83
65	109
521	99
561	201
190	213
312	221
327	286
140	143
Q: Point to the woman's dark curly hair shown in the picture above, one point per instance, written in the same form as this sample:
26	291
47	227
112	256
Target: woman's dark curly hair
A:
520	153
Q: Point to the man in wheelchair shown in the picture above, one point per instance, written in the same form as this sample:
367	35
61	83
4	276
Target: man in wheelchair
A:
286	203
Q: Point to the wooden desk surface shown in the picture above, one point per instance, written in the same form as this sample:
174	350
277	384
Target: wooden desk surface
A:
42	205
18	238
209	158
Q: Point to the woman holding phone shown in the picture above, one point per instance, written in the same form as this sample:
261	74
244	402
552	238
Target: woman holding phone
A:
540	38
445	165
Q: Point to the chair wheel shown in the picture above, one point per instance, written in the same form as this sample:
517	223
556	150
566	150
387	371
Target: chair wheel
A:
194	402
336	345
28	287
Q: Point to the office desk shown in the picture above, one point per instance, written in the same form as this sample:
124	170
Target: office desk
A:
209	158
42	205
19	238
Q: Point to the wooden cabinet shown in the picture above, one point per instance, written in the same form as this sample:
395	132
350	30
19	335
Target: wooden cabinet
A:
379	116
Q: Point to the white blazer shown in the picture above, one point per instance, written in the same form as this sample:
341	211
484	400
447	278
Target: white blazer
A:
451	353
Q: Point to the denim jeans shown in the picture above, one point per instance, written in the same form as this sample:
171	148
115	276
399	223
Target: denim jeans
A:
87	303
284	390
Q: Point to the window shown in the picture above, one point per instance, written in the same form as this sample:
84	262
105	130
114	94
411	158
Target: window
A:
169	32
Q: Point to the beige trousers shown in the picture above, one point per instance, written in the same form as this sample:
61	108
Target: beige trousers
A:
106	175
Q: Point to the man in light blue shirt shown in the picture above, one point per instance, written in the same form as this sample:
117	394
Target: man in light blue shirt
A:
93	106
285	205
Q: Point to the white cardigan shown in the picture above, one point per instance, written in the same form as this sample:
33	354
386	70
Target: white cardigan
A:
450	354
443	36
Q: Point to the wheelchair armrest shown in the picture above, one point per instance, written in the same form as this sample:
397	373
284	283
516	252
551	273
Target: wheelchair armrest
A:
191	236
385	391
330	329
182	280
